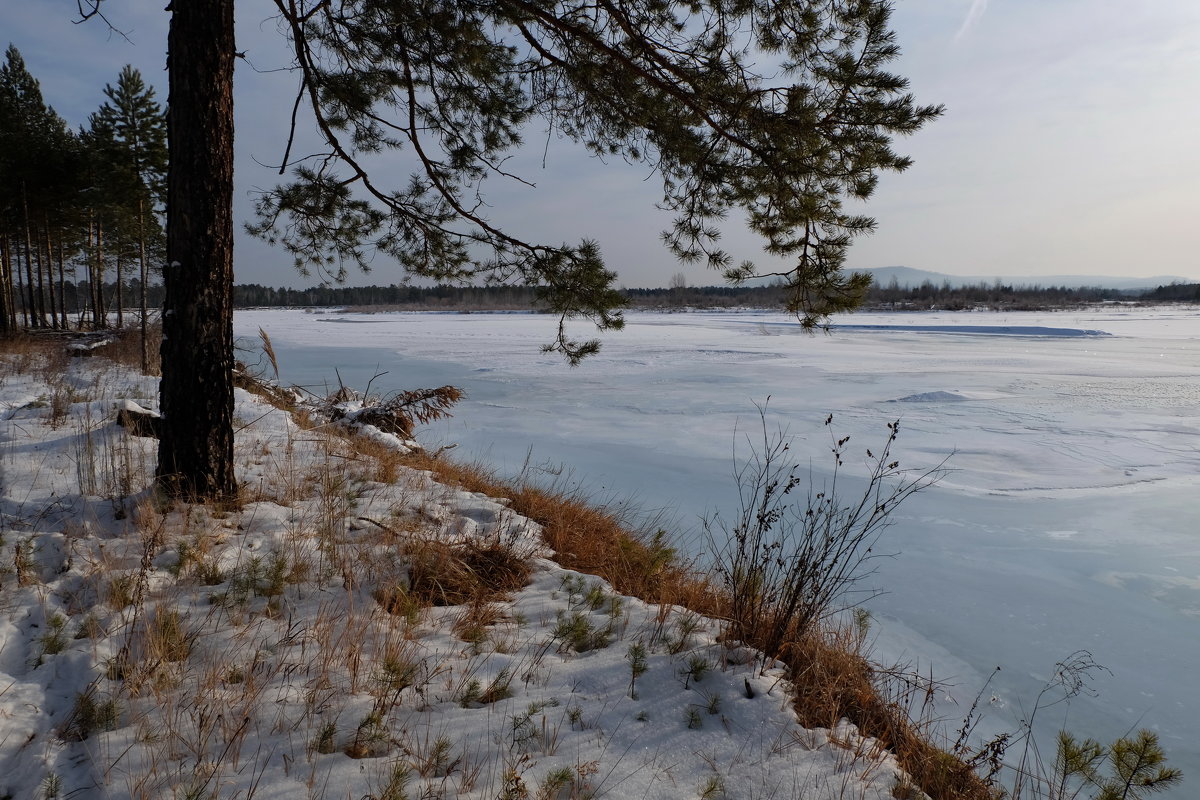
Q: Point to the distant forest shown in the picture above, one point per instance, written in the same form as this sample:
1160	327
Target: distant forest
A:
927	296
77	298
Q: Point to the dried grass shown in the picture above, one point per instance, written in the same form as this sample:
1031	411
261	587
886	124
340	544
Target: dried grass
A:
589	538
831	679
126	348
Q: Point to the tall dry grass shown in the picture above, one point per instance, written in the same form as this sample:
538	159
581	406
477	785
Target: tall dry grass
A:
589	538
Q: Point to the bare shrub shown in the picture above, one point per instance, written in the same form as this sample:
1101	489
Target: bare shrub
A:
788	563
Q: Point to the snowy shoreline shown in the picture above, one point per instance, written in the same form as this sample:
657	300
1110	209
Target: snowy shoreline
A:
150	652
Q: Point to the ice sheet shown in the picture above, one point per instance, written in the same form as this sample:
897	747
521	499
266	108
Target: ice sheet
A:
1068	519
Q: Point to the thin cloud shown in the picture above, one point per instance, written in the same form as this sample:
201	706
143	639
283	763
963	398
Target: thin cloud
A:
973	16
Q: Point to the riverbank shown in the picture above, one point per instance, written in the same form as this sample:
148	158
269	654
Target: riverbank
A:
351	627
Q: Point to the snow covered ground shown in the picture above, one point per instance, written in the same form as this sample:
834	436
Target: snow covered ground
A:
1068	520
264	652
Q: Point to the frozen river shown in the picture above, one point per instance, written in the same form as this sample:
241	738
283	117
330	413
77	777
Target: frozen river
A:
1068	520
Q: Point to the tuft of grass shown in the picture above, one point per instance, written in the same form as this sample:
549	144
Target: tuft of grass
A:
51	788
54	640
396	670
438	760
694	670
469	696
122	590
588	538
90	628
555	781
24	564
832	681
397	782
472	624
713	788
90	715
397	601
167	636
685	625
575	631
499	689
450	574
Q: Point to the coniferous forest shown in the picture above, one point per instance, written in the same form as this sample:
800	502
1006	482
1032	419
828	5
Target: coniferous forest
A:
81	236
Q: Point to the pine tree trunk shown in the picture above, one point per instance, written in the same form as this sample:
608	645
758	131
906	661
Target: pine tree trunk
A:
120	298
195	455
49	250
62	281
99	317
142	278
6	320
16	265
31	320
38	257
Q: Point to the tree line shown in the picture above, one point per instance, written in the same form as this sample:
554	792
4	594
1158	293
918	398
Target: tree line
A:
502	298
1175	293
80	210
926	296
997	296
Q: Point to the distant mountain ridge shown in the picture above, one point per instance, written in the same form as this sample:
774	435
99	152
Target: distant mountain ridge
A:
907	276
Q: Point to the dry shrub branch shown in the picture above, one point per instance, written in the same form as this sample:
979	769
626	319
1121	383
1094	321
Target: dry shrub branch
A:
790	560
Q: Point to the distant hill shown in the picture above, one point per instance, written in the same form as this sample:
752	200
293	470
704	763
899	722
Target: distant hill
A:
907	276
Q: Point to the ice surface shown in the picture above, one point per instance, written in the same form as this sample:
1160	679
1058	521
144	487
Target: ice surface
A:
1067	520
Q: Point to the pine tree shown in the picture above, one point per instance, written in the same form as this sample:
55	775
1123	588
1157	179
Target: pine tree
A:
130	136
1138	767
38	167
678	86
778	109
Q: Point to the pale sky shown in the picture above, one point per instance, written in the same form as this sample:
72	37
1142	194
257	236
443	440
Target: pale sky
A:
1070	143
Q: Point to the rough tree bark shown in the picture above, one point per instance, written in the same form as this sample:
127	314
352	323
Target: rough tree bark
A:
195	455
99	317
142	277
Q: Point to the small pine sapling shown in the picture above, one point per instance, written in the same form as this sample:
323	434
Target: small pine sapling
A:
637	666
1139	768
694	671
713	788
325	740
